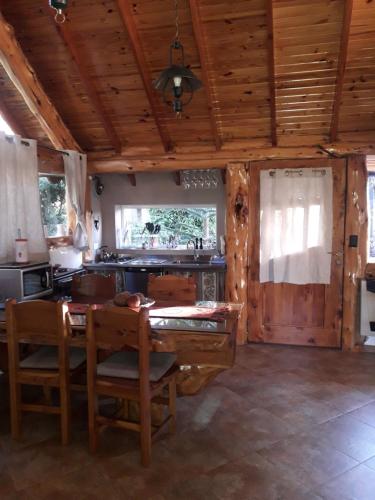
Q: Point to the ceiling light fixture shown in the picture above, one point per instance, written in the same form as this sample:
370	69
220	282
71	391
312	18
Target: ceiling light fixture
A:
59	6
177	79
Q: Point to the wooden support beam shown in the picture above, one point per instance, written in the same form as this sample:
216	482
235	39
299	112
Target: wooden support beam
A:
80	61
201	42
237	219
354	257
132	179
125	9
26	81
341	64
271	71
106	163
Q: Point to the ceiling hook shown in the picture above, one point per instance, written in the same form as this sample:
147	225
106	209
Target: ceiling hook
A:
60	16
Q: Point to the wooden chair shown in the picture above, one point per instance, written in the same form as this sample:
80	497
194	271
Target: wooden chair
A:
131	375
93	288
172	288
42	323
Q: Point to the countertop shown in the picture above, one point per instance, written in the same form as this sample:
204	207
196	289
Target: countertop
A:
189	266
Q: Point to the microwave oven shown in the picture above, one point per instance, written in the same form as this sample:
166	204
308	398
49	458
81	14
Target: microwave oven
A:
25	281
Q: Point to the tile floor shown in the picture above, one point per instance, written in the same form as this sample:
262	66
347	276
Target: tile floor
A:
285	423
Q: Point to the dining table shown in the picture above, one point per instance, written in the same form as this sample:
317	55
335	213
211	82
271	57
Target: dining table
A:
202	334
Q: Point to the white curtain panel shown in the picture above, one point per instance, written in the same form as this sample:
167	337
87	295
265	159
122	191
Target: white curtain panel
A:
75	165
296	226
19	198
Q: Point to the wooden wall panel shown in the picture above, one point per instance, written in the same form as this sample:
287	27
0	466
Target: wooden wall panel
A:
237	220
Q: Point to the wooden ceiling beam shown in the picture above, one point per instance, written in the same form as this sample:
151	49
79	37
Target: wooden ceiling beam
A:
125	9
218	159
201	41
271	71
67	38
26	81
341	65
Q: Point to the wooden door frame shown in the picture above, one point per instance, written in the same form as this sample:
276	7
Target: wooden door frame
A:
254	287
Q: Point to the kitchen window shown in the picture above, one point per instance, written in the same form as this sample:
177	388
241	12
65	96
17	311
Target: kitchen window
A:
52	189
165	227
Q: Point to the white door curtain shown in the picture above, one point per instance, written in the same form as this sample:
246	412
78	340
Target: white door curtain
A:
75	165
20	210
296	225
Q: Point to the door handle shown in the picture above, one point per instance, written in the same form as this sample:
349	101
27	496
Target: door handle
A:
336	254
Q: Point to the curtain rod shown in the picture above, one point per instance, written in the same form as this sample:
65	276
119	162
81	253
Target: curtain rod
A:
53	149
24	142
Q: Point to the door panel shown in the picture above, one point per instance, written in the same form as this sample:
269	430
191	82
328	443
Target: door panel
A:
304	307
284	313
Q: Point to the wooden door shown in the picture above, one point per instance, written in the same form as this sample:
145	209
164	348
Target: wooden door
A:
284	313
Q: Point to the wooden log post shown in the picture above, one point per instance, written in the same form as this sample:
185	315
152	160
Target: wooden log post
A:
237	215
354	257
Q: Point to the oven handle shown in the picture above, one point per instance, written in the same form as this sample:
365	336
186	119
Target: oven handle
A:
48	282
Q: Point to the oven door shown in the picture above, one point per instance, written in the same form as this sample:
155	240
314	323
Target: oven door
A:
36	282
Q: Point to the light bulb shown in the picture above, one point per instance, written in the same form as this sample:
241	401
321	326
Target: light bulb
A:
177	81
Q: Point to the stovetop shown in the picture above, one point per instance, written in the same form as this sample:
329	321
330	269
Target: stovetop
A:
19	265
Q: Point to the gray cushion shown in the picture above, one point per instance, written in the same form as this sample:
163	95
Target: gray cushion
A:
47	358
125	365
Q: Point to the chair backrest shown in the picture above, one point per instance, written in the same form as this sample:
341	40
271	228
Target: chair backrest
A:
93	287
172	288
36	321
113	328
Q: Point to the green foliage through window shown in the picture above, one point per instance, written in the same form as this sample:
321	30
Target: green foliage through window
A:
52	189
177	226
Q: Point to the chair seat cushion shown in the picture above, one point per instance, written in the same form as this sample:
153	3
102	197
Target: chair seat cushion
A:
47	358
125	365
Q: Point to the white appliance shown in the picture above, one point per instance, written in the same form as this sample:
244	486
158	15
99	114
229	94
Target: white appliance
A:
68	257
367	311
25	281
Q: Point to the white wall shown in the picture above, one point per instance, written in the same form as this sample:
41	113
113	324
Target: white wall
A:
159	188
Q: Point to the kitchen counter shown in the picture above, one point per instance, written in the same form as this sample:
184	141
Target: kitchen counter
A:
168	265
132	275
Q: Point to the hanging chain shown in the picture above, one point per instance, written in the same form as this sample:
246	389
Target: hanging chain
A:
177	36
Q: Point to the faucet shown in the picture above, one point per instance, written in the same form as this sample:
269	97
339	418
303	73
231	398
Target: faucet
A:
196	256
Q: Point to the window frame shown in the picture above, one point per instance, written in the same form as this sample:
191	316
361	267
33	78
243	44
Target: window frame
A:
161	206
66	239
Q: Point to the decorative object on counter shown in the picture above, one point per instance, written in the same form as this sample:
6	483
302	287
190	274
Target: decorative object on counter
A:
177	79
172	241
22	254
104	254
200	179
59	6
152	228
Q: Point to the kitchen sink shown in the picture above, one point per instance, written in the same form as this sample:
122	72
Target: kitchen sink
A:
202	259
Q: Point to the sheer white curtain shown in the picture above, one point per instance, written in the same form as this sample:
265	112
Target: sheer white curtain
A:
19	198
75	165
296	225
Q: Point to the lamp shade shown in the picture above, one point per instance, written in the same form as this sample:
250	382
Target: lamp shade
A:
166	80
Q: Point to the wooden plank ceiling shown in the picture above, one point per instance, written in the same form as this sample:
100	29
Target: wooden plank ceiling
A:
282	73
